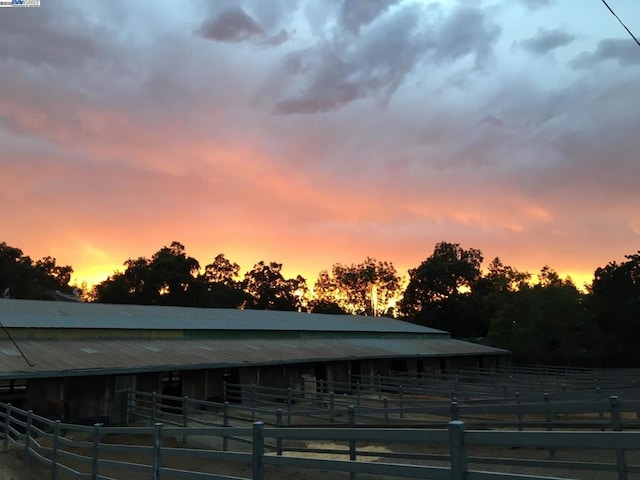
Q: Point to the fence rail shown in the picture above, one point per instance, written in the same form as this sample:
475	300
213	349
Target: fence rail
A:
41	440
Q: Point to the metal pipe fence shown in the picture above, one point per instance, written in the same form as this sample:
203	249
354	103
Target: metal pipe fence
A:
269	447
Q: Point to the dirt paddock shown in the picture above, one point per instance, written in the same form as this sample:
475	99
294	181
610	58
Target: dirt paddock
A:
11	463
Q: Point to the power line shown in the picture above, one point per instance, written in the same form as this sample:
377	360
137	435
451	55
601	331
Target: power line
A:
621	23
16	345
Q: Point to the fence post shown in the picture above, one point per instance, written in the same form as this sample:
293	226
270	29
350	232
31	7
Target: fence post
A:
358	393
95	451
154	407
616	425
552	451
7	425
519	411
279	425
185	416
458	452
352	443
257	465
225	423
27	439
157	451
54	450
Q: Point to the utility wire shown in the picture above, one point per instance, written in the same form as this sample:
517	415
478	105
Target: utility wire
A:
625	27
16	345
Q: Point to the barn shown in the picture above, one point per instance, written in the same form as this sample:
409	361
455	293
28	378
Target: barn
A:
89	354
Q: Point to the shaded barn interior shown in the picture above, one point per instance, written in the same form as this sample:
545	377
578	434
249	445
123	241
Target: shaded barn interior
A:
89	355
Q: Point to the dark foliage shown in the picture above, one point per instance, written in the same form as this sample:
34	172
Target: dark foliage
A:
549	321
22	278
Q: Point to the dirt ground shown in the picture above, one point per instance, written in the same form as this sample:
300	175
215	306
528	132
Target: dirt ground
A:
11	464
11	469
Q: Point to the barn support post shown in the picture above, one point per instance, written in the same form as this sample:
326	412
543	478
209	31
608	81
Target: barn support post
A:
401	395
127	407
385	406
253	402
225	423
352	443
185	416
357	393
459	461
157	451
616	425
27	439
257	461
95	451
7	425
332	404
289	400
154	408
54	450
279	425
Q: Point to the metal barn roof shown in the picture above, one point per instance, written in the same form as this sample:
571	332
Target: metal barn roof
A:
83	352
47	314
82	357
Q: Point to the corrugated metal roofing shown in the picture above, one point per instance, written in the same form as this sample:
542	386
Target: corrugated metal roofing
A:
87	354
45	314
86	357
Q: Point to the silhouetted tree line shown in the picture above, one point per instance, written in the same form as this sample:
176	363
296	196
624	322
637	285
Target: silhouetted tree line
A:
21	277
545	321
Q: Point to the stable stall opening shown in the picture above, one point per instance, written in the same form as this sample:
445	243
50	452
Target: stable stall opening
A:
171	384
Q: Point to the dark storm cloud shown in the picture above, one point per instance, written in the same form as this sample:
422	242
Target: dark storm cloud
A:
467	31
231	25
43	36
356	13
625	51
277	39
545	41
347	67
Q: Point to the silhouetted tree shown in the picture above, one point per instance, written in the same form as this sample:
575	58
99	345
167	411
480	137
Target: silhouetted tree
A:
326	307
21	278
488	295
168	278
547	323
439	288
368	288
221	280
615	305
267	289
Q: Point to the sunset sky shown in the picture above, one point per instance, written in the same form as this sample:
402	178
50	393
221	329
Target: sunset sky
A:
317	132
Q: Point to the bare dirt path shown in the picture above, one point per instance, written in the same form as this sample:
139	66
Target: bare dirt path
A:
11	469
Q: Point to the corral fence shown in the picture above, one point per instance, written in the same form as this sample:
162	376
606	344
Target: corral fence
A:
241	435
523	380
336	410
93	457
